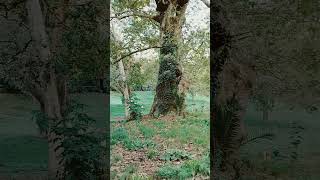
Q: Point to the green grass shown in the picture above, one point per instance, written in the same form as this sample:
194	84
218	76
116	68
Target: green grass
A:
279	124
21	148
198	103
162	140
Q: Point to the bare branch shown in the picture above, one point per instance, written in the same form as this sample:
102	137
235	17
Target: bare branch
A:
133	15
134	52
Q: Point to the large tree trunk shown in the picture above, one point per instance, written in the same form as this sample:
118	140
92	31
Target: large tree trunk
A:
53	109
232	101
230	89
49	89
220	52
170	90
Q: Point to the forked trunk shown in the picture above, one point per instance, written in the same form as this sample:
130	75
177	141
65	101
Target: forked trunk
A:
49	89
170	90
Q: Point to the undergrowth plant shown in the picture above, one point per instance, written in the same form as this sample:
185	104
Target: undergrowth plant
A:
42	122
83	154
135	108
120	135
175	154
295	140
188	169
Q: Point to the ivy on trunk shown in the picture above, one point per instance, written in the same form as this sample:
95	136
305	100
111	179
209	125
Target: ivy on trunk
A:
171	86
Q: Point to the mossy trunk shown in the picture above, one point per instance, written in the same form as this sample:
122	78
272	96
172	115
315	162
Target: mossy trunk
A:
171	86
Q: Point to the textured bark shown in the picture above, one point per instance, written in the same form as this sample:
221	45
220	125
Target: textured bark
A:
49	89
231	87
232	101
220	53
171	86
124	89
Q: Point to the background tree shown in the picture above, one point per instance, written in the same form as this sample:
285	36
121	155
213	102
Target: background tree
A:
34	58
263	41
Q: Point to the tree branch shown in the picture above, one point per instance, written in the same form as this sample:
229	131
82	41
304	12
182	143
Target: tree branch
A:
134	52
134	15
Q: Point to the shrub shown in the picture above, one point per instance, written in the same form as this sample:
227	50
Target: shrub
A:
83	154
135	108
167	171
42	122
175	154
151	154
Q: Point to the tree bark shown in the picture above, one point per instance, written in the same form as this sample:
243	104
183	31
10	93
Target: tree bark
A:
231	83
232	101
171	87
124	89
49	89
219	54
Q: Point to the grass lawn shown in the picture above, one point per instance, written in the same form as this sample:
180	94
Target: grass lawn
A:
160	148
307	165
164	148
22	150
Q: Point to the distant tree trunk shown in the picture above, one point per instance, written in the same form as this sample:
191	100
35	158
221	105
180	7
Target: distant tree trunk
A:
49	88
169	95
124	89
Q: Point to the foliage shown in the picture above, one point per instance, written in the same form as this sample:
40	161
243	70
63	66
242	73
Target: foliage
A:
296	140
119	135
152	153
146	131
188	169
41	120
135	108
191	129
116	158
138	32
136	78
168	171
83	154
128	171
84	50
263	97
174	155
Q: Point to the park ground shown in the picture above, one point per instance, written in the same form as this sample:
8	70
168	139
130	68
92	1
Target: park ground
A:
23	152
163	147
